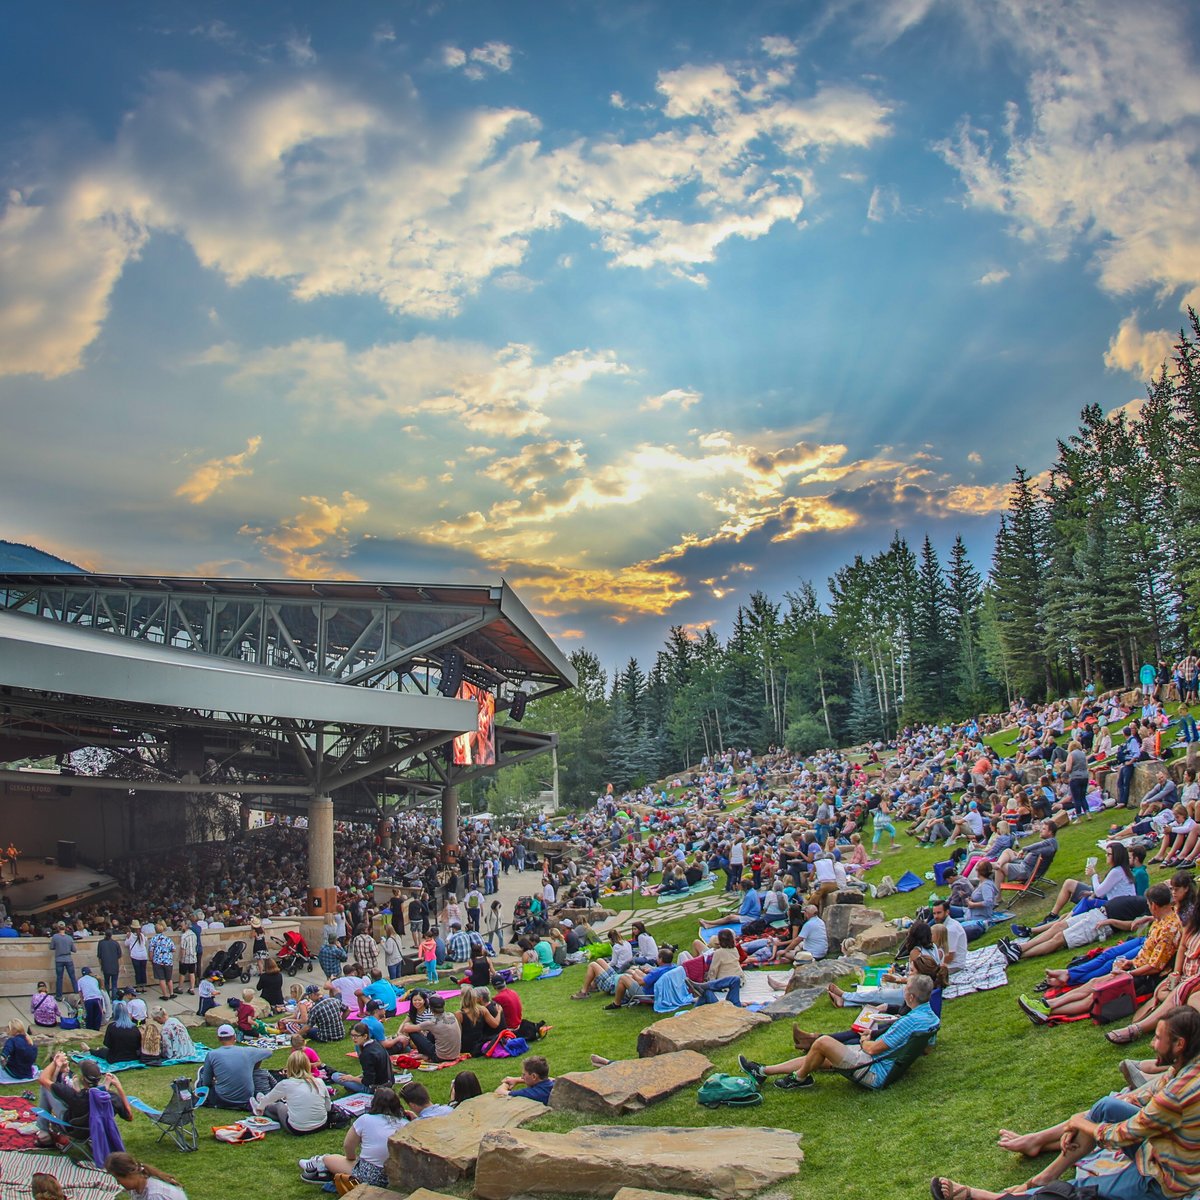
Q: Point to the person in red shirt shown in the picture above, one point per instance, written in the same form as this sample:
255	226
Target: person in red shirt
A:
246	1016
510	1004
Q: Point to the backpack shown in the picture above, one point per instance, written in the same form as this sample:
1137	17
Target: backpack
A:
737	1091
1113	1000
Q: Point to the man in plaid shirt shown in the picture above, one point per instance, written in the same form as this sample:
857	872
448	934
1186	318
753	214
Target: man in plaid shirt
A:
458	948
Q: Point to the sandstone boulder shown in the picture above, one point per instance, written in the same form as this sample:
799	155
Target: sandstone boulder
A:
224	1015
791	1004
821	972
849	920
633	1193
364	1191
882	938
630	1084
845	896
597	1160
442	1150
701	1028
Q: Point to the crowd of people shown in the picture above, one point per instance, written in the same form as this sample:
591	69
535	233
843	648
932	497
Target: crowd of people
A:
781	836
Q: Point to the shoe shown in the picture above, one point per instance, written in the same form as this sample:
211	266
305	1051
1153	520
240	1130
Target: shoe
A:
1044	986
789	1083
1049	919
612	1007
1133	1074
1028	1007
752	1068
314	1166
1021	931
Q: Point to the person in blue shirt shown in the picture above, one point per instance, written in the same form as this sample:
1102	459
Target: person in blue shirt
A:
534	1082
749	910
872	1053
383	991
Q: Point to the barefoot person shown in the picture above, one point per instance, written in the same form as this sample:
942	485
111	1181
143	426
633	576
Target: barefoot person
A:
1156	1128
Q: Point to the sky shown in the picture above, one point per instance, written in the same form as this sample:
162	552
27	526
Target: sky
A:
639	306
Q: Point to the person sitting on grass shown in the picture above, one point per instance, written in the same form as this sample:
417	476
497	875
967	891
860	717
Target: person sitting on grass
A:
638	983
1079	929
603	973
749	910
374	1065
364	1153
1154	1126
141	1180
1145	969
441	1039
534	1082
299	1101
874	1054
324	1021
19	1054
1118	881
723	973
1178	988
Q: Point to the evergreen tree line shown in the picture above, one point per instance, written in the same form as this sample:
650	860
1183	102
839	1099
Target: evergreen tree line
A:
1093	573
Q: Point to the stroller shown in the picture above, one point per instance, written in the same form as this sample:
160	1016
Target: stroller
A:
227	963
294	953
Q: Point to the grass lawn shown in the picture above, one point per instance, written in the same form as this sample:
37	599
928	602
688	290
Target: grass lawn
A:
991	1069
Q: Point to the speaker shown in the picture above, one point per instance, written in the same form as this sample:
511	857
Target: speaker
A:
452	672
66	855
517	708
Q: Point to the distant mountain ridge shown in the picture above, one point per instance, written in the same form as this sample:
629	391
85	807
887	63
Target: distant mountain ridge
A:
15	556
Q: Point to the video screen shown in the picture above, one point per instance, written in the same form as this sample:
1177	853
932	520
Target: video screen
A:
477	748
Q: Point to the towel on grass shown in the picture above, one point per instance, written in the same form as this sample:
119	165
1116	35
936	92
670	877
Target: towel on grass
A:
80	1183
986	969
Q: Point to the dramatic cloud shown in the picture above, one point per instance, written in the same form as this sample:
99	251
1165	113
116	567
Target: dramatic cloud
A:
305	181
1141	352
1106	151
216	472
310	544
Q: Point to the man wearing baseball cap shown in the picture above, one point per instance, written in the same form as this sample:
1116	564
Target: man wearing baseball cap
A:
231	1073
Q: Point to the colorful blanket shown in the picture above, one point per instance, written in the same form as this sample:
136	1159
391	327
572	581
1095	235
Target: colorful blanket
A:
80	1183
116	1067
986	970
18	1126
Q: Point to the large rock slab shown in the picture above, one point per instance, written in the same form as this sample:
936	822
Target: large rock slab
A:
792	1004
821	972
630	1084
879	939
224	1015
442	1150
633	1193
596	1160
364	1191
702	1028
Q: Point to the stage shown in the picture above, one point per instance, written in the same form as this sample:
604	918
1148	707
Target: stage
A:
57	887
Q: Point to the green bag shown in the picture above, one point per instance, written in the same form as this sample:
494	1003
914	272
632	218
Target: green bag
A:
737	1091
598	950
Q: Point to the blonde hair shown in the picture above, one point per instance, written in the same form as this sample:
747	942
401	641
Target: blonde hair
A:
470	1003
248	995
296	991
17	1029
299	1066
940	936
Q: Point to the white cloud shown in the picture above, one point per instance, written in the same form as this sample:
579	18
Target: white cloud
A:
975	457
299	50
216	472
616	100
884	203
506	392
1141	352
990	278
301	180
779	47
454	56
681	398
1106	152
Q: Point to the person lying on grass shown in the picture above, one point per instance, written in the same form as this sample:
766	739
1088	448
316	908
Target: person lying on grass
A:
875	1054
1180	987
1150	964
1155	1126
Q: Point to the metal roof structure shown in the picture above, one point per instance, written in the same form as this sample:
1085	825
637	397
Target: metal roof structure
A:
228	685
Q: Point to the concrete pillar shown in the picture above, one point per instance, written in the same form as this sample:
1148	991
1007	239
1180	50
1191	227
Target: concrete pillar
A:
449	821
322	895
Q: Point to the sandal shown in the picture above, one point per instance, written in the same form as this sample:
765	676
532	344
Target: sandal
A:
946	1189
1122	1037
579	995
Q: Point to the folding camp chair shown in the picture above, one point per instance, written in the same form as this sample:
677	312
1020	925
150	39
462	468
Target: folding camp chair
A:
76	1148
178	1120
1033	886
902	1058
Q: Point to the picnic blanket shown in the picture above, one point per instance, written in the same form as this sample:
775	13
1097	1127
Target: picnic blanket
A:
704	885
709	934
5	1077
116	1067
986	969
17	1169
18	1126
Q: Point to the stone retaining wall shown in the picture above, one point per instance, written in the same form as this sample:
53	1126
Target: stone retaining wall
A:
25	961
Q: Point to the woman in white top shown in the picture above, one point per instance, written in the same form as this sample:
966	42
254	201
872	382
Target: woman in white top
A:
645	948
1118	881
299	1101
365	1151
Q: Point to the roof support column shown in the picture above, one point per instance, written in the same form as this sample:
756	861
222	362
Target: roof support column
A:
322	895
449	821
